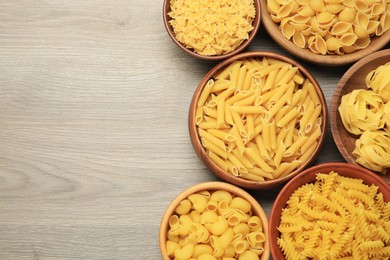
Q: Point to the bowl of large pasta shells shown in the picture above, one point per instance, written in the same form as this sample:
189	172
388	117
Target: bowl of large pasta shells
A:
212	30
360	114
331	211
214	220
257	119
328	32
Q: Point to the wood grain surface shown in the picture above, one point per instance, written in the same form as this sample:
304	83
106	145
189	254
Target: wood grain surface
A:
94	142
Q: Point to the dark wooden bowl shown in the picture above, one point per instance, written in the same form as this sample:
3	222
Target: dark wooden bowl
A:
272	28
240	48
200	151
212	186
309	176
354	78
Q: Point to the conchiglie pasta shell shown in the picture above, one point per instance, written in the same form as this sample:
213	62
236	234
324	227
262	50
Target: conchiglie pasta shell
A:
333	44
361	5
377	9
347	15
340	28
325	18
287	29
348	39
349	3
299	26
360	31
306	11
299	40
349	49
276	18
320	44
273	7
362	19
300	19
285	10
362	43
334	8
372	27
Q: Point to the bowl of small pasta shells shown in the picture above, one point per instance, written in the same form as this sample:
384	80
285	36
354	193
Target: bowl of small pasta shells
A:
328	32
331	211
257	119
214	220
360	114
212	30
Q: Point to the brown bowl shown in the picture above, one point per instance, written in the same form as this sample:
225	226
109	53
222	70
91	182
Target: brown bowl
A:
354	78
240	48
272	28
257	210
309	176
196	142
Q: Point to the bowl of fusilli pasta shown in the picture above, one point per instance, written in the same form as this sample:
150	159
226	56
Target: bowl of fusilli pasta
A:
330	211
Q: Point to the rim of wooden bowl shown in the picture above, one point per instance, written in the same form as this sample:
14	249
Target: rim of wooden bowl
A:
308	176
200	151
212	186
377	43
343	139
256	25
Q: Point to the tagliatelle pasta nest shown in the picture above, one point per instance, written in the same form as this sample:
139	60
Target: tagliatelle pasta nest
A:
210	225
367	113
212	27
333	218
330	26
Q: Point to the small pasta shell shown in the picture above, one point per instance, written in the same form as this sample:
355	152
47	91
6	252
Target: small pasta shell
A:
377	9
273	6
334	8
325	18
347	15
306	11
340	28
317	5
287	29
298	18
299	40
362	43
321	44
285	10
348	39
333	44
362	20
361	5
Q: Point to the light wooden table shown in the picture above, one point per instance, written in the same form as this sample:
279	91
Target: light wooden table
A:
94	143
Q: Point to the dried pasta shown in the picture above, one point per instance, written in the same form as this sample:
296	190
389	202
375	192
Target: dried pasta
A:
273	125
330	27
332	218
366	112
212	27
226	230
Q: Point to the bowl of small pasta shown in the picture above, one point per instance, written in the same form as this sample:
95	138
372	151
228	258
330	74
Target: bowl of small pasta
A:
328	32
360	114
257	119
214	220
212	30
331	211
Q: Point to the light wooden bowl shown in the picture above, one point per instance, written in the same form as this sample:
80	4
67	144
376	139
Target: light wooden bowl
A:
240	48
273	30
199	149
212	186
354	78
308	176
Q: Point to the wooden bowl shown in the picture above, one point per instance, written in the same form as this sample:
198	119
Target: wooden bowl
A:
354	78
272	28
212	186
199	149
309	176
240	48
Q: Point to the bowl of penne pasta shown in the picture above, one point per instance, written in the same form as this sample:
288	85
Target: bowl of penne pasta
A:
214	220
211	30
360	114
257	119
328	32
331	211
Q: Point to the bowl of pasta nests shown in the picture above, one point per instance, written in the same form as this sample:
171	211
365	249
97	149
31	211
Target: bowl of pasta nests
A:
360	114
257	119
214	220
328	32
330	211
212	30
